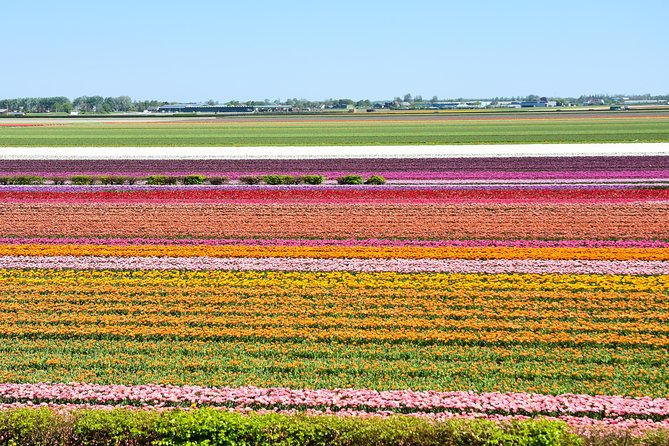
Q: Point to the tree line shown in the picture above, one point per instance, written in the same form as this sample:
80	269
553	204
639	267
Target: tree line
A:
100	104
61	104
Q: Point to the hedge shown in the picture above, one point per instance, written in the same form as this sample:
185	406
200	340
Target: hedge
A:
37	427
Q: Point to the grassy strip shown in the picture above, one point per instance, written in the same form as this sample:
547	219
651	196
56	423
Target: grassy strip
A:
33	427
332	132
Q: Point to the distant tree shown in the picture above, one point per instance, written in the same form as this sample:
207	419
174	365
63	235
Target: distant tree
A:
108	105
211	102
89	103
343	103
434	99
408	97
124	104
65	107
144	105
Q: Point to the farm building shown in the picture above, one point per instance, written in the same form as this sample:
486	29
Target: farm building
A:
646	102
199	108
203	108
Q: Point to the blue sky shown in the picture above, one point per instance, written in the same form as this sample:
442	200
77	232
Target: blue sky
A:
223	50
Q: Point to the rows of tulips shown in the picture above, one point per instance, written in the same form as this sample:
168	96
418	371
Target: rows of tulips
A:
585	167
460	266
117	248
602	221
489	309
511	301
337	280
256	177
331	194
543	368
250	243
403	401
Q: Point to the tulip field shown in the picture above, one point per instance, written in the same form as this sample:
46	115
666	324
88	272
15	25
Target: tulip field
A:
518	287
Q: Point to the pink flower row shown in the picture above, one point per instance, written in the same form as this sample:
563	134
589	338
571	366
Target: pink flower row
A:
618	267
115	241
438	404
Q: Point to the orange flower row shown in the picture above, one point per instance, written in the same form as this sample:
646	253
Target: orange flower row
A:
498	221
340	333
385	307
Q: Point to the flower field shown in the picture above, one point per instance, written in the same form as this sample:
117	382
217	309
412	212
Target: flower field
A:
476	300
584	168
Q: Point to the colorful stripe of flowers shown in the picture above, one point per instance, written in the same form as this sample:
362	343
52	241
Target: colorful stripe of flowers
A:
117	248
600	221
584	167
402	401
488	301
332	194
344	243
460	266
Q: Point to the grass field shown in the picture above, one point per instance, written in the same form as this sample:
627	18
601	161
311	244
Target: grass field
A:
352	130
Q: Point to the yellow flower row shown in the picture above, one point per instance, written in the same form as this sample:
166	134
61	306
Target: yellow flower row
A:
339	332
406	252
340	280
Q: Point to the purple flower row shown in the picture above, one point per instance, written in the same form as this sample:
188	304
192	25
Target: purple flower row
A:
240	167
417	185
461	266
115	241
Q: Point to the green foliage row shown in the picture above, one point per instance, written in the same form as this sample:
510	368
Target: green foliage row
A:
42	427
357	179
282	179
194	179
22	180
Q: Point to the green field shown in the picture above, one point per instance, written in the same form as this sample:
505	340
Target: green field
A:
333	364
353	130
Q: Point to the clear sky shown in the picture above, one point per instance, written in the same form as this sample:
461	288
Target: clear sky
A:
276	49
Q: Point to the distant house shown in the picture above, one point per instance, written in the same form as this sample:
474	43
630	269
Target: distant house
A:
594	101
8	112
